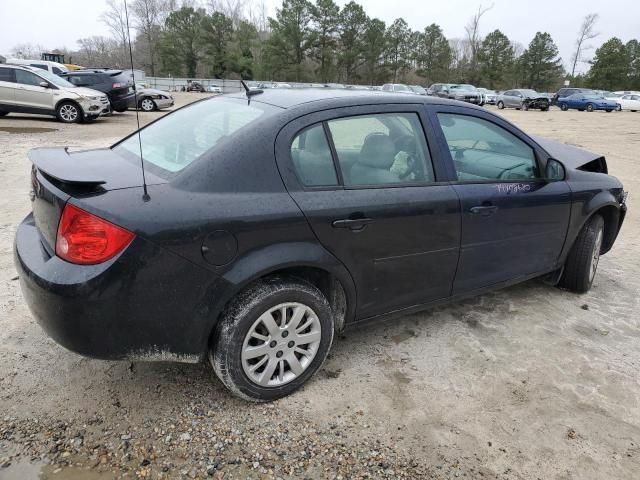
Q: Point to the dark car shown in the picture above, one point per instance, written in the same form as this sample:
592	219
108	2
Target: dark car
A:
195	87
463	92
115	83
565	92
523	99
270	222
588	102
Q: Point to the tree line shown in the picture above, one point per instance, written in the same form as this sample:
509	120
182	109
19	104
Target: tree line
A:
319	41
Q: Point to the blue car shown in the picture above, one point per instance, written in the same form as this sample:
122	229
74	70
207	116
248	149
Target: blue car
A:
586	101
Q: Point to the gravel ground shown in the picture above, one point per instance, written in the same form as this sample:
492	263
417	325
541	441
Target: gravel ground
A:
525	383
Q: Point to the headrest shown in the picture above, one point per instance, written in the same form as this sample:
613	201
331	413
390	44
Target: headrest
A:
316	141
378	151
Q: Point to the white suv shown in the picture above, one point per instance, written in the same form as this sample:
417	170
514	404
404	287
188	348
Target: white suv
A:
26	89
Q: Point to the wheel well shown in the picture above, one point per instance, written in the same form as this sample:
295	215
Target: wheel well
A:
611	216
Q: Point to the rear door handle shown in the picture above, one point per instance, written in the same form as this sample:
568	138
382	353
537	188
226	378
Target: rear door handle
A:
352	223
484	210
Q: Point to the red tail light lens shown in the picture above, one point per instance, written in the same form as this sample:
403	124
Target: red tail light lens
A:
118	85
86	239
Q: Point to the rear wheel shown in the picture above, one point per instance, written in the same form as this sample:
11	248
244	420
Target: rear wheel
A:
590	107
272	338
501	105
69	112
147	104
2	114
564	107
582	262
525	106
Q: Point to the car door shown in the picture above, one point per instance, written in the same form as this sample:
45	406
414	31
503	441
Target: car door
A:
510	98
30	94
514	222
7	86
366	181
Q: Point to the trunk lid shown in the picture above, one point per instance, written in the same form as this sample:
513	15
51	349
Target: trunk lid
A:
58	175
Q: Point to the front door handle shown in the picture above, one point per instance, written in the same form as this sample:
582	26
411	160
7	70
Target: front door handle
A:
352	223
484	210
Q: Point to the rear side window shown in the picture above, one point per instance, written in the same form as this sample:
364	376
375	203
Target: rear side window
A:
312	158
7	75
484	151
56	70
381	149
75	79
40	66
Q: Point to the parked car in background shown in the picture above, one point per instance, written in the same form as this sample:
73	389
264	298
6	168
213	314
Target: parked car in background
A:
396	88
25	89
117	85
215	89
488	96
586	101
440	89
566	91
466	93
194	86
418	90
52	67
523	99
323	238
150	99
629	102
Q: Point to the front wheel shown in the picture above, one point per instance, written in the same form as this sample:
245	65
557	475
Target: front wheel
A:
590	107
68	112
582	262
618	108
272	338
501	105
147	104
525	106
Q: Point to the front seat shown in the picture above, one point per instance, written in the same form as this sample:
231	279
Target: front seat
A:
376	158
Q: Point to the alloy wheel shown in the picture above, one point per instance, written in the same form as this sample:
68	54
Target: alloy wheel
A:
281	344
595	256
147	105
69	113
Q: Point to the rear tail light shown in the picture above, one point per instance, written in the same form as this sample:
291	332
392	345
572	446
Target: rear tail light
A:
86	239
118	85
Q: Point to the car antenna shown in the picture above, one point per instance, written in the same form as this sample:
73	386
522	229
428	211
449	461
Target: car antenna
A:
250	93
145	195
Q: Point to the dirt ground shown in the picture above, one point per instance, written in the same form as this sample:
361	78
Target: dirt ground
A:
530	382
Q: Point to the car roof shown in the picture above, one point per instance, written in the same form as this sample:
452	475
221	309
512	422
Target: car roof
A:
294	97
28	68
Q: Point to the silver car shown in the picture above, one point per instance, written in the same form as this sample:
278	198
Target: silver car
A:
25	89
397	88
150	99
523	99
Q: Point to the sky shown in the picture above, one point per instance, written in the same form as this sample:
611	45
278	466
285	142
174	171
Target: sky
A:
59	23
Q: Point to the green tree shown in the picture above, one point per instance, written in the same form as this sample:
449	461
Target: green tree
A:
633	50
292	37
326	16
179	48
353	24
541	63
611	66
217	33
496	59
433	55
398	48
241	58
374	49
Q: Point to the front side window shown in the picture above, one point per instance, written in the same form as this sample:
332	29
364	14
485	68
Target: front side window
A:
388	148
483	151
7	75
312	158
175	141
27	78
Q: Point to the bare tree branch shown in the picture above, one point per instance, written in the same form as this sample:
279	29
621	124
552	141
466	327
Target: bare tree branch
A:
585	34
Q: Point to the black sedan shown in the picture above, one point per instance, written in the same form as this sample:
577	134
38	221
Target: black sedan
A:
269	222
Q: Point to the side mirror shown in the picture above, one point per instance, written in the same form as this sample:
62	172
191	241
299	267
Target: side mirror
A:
44	84
554	170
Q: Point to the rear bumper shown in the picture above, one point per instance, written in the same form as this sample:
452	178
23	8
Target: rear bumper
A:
123	102
136	306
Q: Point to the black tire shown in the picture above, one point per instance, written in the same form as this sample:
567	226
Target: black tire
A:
68	112
525	107
618	108
609	111
544	109
590	107
120	110
2	114
579	270
564	107
501	105
240	317
145	106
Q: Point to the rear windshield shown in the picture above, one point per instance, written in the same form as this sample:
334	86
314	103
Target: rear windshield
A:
177	140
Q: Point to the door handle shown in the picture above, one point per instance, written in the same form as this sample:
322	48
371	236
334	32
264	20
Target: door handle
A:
484	210
352	223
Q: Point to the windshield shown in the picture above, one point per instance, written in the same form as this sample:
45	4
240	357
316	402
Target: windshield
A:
178	139
529	93
398	87
465	86
591	95
418	89
56	80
